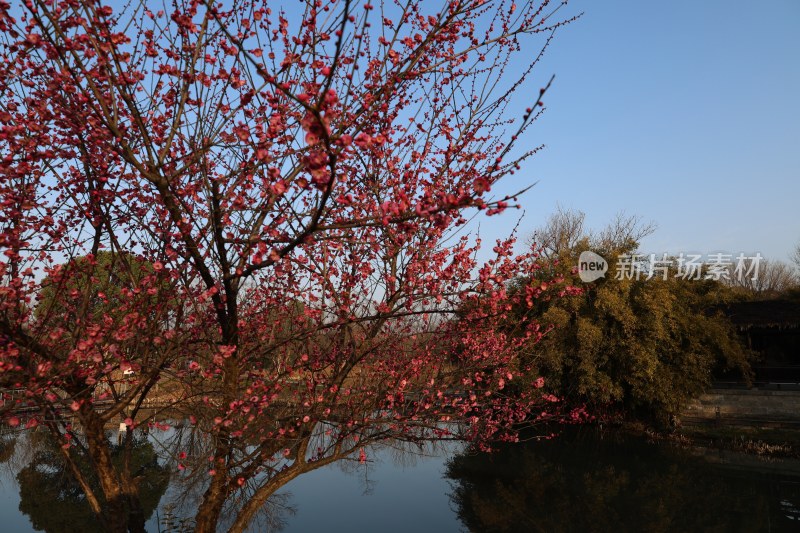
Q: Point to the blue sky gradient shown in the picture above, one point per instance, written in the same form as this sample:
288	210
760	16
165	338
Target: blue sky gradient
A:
685	113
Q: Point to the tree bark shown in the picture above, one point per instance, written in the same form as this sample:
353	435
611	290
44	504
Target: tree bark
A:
114	509
122	511
213	499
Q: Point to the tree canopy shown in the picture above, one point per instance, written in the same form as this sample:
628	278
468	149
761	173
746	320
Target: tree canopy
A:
642	345
295	184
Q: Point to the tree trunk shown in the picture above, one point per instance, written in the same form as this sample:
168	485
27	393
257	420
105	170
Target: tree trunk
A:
214	498
122	511
135	511
114	510
210	510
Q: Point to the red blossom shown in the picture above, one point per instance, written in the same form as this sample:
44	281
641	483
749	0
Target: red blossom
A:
255	221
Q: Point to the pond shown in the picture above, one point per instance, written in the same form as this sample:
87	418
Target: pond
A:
581	481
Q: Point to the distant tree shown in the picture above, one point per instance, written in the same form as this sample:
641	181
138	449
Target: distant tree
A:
796	256
764	279
624	233
642	345
565	230
97	287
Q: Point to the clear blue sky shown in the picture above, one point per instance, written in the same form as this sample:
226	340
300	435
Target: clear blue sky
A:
686	113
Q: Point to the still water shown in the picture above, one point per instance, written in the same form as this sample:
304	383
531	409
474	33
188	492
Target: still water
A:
581	481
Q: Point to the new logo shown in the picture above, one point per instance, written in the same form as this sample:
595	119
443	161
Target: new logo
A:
591	266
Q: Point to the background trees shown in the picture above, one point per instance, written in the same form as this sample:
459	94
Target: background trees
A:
645	346
773	278
297	181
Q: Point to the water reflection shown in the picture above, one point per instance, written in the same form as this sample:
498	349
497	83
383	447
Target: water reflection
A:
49	494
579	482
400	488
582	482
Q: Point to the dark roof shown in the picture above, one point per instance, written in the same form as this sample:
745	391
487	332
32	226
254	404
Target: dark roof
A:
763	313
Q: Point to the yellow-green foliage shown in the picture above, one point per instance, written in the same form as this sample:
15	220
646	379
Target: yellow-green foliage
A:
645	346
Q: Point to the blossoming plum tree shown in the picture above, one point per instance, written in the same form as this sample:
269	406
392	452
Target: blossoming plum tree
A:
253	217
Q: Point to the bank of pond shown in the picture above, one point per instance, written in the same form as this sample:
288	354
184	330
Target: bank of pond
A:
582	480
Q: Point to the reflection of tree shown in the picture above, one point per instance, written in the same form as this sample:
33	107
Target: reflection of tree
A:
186	490
54	501
588	484
8	444
177	516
